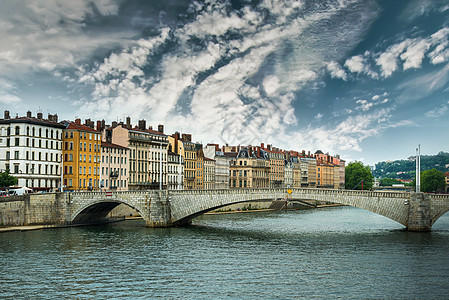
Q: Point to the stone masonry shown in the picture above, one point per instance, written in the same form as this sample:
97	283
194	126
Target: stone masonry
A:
416	211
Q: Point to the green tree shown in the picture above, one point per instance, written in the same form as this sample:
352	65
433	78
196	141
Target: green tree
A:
7	180
432	181
355	172
389	182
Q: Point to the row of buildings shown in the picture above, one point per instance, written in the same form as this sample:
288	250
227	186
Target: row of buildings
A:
44	154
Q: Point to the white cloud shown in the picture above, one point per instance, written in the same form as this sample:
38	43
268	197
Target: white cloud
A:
359	64
336	70
8	92
437	112
414	54
46	35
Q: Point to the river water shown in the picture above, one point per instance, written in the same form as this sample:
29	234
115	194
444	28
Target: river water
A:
328	253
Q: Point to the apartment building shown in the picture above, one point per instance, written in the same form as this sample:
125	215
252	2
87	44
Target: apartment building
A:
31	149
114	167
82	153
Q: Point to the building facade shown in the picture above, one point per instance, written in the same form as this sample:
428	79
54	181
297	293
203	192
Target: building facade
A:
209	173
250	169
31	149
222	164
148	155
175	165
82	155
114	167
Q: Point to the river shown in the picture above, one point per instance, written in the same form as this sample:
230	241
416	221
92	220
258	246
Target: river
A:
329	253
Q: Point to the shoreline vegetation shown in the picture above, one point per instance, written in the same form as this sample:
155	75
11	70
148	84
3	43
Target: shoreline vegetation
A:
244	210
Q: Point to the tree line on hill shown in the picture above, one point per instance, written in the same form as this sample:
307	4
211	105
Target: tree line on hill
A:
358	177
406	169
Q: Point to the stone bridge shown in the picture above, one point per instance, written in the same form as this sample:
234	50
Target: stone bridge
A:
416	211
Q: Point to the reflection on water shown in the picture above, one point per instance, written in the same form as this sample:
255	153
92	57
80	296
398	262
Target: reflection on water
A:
328	253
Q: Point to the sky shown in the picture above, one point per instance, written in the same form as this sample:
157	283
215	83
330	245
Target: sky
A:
365	79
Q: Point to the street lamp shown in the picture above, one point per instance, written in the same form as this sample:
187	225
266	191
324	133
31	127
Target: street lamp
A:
418	169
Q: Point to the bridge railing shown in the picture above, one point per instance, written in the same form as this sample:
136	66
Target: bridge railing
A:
278	192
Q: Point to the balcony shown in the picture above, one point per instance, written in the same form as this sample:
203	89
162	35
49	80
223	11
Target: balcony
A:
114	174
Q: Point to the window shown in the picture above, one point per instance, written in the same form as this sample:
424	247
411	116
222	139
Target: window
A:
28	130
17	130
16	154
7	154
70	170
16	142
16	169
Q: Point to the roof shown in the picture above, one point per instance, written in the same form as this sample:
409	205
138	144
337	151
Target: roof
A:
208	159
74	126
110	145
230	154
32	120
146	131
319	152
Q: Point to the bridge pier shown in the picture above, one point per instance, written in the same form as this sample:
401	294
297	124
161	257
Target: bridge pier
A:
160	212
419	216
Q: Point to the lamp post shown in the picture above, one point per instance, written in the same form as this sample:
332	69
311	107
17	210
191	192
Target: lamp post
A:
418	169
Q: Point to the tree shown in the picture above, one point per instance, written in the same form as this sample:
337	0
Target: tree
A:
432	181
389	182
7	180
355	172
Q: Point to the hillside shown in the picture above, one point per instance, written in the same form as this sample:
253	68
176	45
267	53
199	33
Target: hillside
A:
405	169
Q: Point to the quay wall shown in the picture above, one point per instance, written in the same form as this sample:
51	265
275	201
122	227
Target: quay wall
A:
33	209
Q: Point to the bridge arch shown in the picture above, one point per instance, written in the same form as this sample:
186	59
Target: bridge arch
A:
96	211
388	204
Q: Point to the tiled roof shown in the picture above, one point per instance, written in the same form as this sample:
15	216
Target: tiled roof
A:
110	145
32	121
74	126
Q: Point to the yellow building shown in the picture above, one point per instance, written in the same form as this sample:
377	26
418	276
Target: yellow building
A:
325	175
250	169
81	154
199	167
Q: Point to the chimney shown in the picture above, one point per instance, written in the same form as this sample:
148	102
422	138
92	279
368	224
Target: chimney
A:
269	147
262	145
99	128
29	114
150	127
186	137
142	124
7	114
160	128
128	122
39	115
78	121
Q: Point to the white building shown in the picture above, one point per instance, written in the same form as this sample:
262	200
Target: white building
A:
175	180
222	164
31	148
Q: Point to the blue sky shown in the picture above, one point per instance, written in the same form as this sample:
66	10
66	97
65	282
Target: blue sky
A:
364	79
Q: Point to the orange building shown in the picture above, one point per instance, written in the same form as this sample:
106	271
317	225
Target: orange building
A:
81	154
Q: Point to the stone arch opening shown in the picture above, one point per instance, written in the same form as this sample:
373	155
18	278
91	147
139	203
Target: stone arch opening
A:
99	212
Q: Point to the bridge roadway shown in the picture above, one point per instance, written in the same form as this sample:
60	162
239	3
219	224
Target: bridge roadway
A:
416	211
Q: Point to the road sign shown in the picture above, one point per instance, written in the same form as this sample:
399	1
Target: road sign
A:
289	191
108	194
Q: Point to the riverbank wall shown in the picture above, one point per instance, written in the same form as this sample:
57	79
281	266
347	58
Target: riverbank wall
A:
34	209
